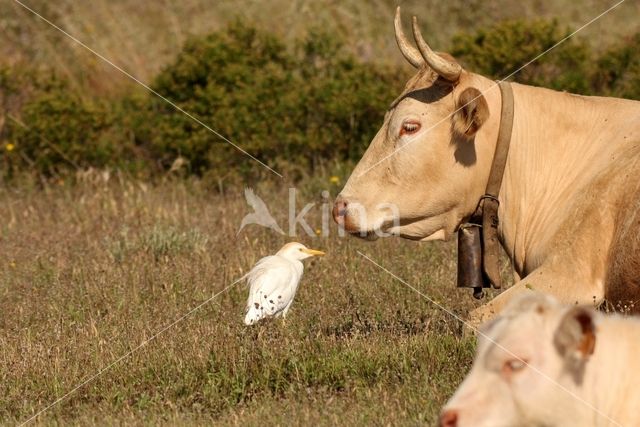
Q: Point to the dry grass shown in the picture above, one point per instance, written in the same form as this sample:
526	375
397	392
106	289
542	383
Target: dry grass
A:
88	272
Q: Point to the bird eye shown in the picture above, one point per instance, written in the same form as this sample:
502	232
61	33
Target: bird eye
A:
513	365
409	128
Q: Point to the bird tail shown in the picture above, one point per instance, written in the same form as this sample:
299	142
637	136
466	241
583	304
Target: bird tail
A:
255	310
253	315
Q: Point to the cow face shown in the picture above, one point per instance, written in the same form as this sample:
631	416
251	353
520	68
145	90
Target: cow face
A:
424	171
529	364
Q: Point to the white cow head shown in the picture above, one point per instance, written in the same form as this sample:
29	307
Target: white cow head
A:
427	167
529	365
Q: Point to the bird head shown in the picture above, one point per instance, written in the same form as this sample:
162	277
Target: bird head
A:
298	251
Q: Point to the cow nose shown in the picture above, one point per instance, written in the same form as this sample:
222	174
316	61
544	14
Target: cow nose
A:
449	418
339	210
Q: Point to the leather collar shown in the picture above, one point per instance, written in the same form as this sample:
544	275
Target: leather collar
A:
489	201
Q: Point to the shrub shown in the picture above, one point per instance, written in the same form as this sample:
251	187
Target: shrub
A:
499	50
55	129
59	128
343	100
296	108
52	129
14	89
288	108
618	70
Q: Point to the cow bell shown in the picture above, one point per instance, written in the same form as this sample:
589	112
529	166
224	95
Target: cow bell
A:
470	273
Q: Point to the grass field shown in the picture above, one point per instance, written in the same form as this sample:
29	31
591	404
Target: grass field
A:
90	271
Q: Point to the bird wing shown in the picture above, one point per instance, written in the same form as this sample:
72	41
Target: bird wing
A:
272	287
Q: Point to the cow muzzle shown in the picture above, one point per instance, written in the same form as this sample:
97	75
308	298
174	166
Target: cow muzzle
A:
341	215
448	418
367	222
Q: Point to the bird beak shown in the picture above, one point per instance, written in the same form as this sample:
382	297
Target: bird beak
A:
312	252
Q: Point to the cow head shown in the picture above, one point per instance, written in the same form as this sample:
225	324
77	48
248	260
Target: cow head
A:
428	165
529	367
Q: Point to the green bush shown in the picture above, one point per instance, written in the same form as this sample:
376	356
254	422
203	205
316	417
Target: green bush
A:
618	70
15	87
52	129
58	128
55	129
500	50
287	108
295	107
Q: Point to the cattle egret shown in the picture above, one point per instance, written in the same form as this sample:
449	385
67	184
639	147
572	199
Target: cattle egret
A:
274	281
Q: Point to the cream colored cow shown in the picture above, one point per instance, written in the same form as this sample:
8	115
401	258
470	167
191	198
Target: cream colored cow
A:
540	363
570	197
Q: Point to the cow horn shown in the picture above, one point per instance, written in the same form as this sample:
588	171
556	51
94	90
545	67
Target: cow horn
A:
450	70
408	51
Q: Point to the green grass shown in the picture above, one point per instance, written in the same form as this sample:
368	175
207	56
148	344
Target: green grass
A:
90	271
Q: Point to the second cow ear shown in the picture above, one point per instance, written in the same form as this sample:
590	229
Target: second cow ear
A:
471	112
575	337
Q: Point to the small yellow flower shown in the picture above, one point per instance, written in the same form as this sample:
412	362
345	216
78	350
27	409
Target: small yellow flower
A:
318	231
334	180
9	147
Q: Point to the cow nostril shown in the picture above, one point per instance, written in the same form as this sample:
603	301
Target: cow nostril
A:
339	210
449	418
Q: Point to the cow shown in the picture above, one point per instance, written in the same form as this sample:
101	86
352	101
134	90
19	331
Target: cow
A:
541	363
569	203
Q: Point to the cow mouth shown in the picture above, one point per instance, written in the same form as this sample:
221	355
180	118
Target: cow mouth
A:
370	235
377	231
403	229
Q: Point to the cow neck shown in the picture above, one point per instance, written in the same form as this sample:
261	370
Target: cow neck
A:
489	203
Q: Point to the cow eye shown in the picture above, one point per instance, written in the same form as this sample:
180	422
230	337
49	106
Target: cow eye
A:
512	366
409	128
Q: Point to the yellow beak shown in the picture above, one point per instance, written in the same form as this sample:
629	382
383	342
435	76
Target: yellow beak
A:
312	252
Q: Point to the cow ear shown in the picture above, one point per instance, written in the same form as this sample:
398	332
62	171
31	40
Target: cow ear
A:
575	337
471	112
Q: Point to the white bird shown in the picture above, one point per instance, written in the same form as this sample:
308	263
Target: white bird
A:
274	281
